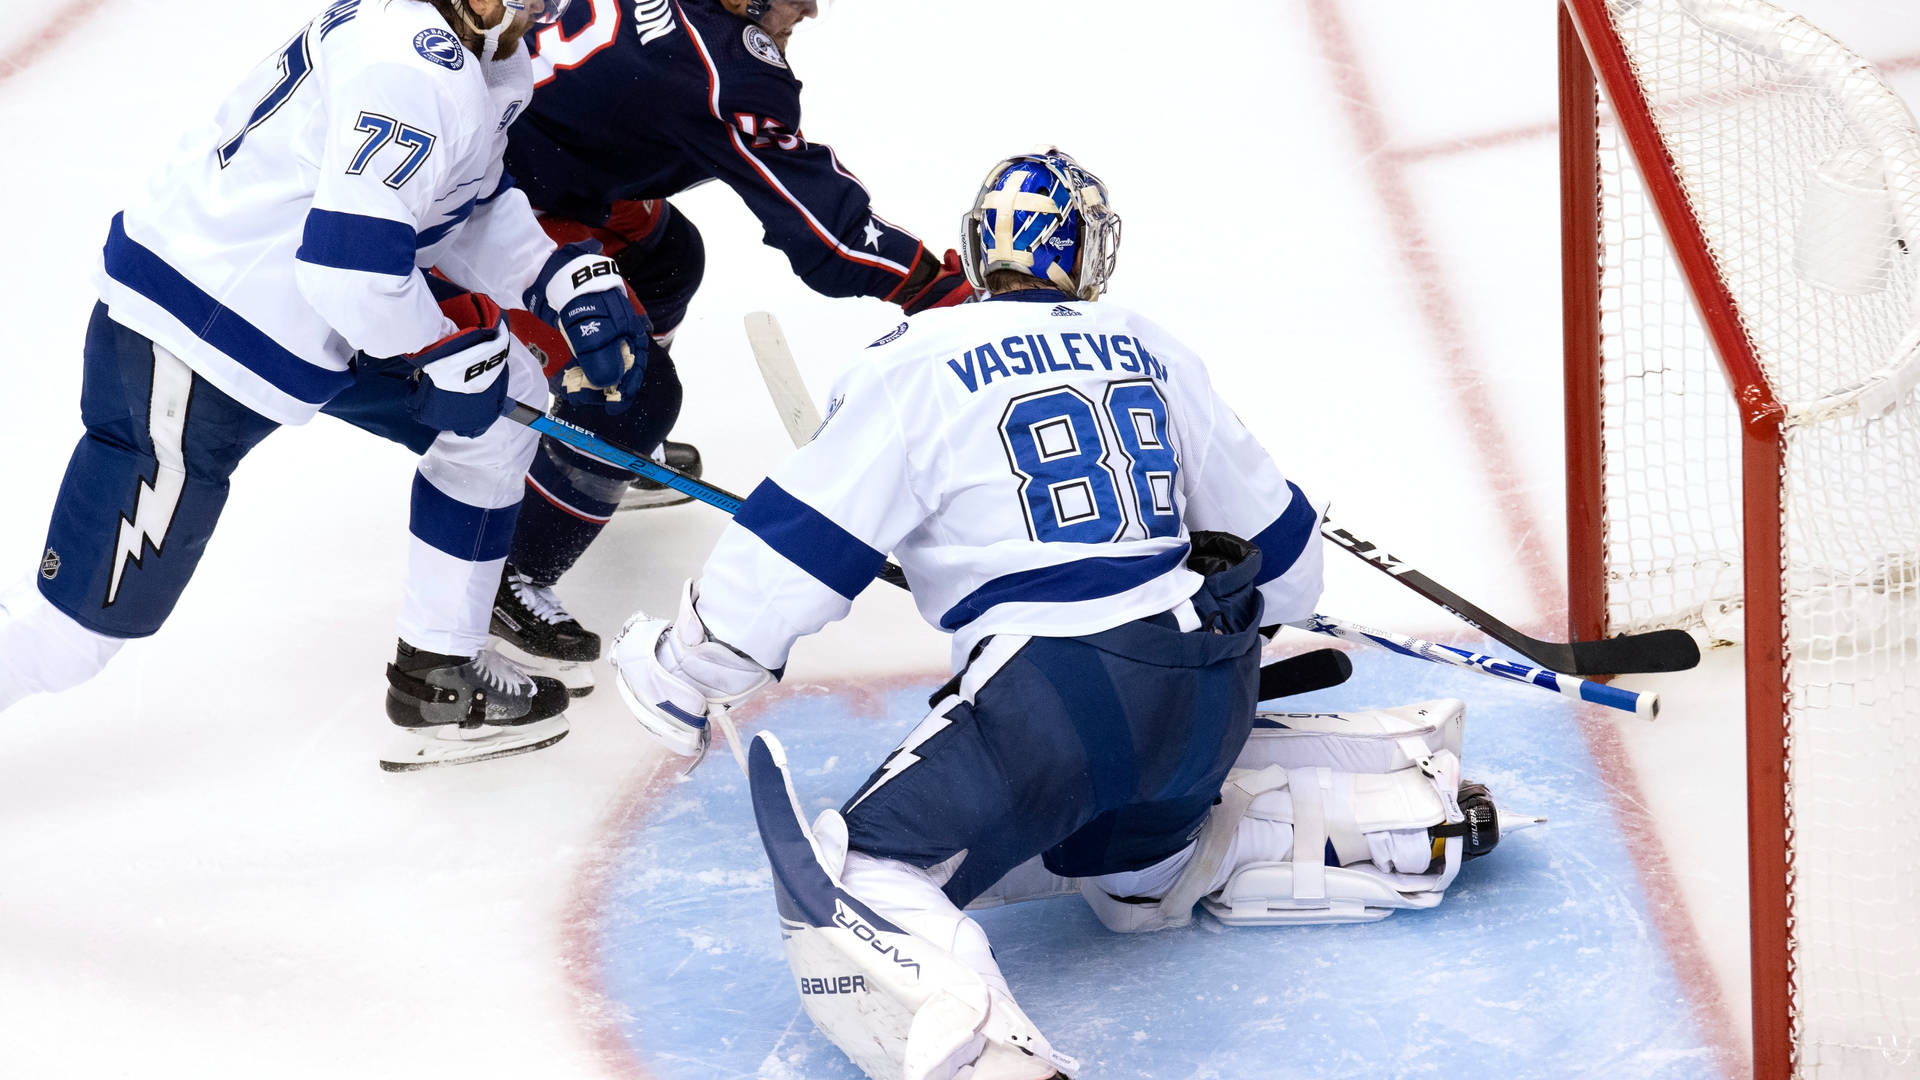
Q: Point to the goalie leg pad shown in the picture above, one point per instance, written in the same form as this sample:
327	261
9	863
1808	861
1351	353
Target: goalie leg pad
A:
900	1006
1377	790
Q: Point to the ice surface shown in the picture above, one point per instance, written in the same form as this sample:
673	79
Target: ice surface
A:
1346	205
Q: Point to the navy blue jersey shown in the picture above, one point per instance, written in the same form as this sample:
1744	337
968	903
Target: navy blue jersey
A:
643	99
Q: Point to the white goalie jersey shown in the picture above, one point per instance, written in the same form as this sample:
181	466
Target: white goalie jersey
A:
1037	465
289	231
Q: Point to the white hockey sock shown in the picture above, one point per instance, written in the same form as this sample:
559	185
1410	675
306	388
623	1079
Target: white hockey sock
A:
42	650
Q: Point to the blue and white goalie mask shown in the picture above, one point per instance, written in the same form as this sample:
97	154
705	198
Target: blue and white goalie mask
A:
1043	215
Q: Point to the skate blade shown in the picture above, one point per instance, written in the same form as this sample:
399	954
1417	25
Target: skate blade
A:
575	675
639	498
431	748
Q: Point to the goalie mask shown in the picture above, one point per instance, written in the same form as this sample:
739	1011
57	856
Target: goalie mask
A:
1043	215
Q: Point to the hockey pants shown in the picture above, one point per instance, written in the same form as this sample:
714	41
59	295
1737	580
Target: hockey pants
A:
148	480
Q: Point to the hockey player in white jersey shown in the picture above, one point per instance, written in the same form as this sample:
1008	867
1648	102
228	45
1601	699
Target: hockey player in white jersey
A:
276	268
1067	494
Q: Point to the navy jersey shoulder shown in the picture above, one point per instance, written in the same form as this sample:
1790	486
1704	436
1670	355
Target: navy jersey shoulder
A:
642	99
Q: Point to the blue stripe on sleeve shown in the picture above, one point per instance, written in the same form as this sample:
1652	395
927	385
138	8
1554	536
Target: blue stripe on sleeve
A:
431	236
371	245
505	185
131	264
462	531
1065	583
809	539
1282	542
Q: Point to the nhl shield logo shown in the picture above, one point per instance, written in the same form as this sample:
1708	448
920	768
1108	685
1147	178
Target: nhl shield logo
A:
50	564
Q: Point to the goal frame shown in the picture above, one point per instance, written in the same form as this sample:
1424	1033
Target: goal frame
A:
1593	62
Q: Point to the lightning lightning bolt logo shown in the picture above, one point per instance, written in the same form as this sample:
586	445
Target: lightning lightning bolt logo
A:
155	503
903	756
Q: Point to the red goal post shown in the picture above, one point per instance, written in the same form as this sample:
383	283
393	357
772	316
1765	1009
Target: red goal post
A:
1741	274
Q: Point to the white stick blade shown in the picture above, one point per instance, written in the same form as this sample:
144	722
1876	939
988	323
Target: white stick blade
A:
798	414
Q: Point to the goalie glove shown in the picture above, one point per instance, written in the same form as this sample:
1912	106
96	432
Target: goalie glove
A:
580	293
458	386
934	283
670	673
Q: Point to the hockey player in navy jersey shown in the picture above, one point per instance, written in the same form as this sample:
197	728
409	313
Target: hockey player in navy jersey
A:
637	102
274	269
1066	492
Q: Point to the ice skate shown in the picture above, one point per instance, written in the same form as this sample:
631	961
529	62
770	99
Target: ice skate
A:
455	710
644	494
535	631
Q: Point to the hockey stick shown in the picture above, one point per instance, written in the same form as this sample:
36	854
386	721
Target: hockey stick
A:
788	391
1655	650
1304	673
1640	704
614	454
1658	650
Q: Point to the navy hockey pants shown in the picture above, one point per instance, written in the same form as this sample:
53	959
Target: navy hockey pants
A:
147	482
1103	753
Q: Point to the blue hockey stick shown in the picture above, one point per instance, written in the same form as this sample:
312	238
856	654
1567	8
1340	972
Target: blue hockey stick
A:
594	446
1640	704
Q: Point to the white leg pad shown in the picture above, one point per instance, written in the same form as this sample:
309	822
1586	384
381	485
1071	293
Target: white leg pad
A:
42	650
901	1006
1367	785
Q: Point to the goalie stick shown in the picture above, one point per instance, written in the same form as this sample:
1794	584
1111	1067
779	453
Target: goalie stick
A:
1658	650
1654	650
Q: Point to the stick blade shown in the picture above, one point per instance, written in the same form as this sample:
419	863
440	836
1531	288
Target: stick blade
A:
798	414
1654	651
1304	673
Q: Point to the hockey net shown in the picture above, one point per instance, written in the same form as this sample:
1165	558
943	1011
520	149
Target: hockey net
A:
1742	243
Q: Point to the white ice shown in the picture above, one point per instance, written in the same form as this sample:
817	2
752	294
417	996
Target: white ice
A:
203	874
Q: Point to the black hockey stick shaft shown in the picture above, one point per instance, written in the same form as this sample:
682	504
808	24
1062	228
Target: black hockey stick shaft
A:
1655	650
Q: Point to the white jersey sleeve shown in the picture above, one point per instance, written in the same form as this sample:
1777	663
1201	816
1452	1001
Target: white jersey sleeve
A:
815	532
379	179
502	247
1232	485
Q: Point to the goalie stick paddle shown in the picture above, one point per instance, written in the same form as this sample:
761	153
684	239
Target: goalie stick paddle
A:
1655	650
1304	673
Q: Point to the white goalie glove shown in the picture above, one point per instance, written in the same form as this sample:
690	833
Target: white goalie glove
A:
671	674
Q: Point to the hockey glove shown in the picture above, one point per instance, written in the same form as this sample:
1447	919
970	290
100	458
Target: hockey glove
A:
580	293
460	383
671	672
933	284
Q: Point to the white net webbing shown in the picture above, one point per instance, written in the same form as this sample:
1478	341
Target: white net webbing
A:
1803	169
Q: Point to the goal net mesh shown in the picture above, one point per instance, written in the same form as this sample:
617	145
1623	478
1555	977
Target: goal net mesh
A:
1803	170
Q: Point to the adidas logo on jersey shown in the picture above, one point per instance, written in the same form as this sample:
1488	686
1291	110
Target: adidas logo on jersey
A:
1062	309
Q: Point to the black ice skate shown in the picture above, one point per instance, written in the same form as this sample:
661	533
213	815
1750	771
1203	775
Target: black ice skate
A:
532	629
459	709
644	494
